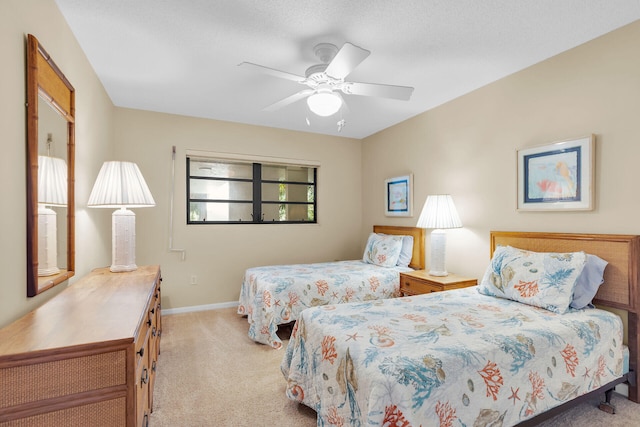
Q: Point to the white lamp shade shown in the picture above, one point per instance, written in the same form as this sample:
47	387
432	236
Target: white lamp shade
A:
52	181
324	103
120	184
439	212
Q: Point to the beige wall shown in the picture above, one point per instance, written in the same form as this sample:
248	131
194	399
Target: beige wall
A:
93	140
219	254
467	147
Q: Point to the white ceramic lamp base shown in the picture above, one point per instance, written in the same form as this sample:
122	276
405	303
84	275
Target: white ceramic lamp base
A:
438	245
123	241
47	242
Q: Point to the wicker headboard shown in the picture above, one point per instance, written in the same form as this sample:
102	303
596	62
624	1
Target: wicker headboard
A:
621	277
417	259
621	251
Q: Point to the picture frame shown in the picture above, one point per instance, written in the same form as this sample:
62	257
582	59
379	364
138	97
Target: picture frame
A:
557	176
399	196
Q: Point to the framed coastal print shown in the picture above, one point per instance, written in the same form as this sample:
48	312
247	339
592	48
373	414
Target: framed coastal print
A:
399	196
557	176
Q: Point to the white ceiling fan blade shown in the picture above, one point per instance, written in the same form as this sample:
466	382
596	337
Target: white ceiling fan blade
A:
272	72
347	58
288	100
372	89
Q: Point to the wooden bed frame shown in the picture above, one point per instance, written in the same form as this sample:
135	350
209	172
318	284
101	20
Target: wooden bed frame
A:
618	292
417	259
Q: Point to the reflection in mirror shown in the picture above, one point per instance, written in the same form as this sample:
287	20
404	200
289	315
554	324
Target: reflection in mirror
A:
50	172
52	190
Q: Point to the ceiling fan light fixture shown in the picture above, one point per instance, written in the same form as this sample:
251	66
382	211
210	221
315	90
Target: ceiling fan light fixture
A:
324	103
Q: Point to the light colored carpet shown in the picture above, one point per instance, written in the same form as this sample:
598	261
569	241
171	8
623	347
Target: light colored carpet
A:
211	374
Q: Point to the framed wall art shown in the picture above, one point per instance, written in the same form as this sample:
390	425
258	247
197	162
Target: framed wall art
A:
557	176
399	196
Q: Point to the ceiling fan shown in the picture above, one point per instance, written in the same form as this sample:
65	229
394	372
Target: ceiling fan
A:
325	81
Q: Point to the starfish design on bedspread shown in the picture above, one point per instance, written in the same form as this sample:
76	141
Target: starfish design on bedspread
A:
514	395
353	336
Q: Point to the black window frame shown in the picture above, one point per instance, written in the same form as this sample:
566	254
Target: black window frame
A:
257	202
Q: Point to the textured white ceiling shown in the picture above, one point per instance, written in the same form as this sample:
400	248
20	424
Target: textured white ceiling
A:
182	56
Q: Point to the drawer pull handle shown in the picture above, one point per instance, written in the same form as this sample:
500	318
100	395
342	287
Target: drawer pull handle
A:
145	376
153	331
145	421
141	352
153	310
149	322
407	284
153	366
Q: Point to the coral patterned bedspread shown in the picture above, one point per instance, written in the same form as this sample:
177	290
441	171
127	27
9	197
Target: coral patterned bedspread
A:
275	295
455	358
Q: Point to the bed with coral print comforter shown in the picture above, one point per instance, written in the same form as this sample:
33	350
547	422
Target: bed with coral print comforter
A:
275	295
455	358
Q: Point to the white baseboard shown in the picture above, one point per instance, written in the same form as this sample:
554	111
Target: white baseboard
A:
194	308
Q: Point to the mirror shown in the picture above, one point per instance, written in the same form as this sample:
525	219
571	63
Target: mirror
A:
50	172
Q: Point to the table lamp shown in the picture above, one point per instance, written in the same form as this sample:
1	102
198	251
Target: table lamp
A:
121	185
439	213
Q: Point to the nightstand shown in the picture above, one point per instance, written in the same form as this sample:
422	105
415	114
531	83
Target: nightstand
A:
420	282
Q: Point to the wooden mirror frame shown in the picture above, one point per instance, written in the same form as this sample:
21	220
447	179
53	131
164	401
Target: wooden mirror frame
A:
45	79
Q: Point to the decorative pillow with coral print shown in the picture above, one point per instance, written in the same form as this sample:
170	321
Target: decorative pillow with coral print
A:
541	279
382	250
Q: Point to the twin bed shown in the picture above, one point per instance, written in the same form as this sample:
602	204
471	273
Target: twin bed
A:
275	295
464	357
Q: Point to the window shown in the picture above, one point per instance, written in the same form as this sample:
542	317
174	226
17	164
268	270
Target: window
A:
242	192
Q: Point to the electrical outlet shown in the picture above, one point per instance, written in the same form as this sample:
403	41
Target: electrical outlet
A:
194	279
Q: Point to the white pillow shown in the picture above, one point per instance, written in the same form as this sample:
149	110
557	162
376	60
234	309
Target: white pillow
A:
382	250
407	251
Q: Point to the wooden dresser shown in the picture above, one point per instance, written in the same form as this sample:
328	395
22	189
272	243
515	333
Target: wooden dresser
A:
87	357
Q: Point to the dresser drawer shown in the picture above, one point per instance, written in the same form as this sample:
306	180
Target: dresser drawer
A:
143	376
154	344
141	346
106	413
52	379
